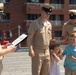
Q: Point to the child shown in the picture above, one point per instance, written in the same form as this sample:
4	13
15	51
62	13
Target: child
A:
70	59
55	51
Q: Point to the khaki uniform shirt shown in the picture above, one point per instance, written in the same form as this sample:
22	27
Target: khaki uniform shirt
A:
41	34
68	29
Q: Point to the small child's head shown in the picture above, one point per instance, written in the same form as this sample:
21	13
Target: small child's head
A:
56	48
72	39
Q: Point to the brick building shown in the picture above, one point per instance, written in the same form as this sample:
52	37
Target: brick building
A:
18	14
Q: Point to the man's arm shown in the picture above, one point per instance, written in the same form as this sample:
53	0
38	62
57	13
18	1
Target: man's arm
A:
30	45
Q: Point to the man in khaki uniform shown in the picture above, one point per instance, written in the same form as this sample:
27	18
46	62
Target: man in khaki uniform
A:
39	36
70	26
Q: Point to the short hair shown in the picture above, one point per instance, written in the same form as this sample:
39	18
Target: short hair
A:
72	35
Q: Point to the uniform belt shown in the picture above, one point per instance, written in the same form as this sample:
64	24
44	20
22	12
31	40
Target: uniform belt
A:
40	47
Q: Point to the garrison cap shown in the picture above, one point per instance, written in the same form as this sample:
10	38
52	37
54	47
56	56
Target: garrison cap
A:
72	14
47	8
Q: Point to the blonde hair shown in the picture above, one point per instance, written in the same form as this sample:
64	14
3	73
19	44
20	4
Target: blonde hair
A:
72	35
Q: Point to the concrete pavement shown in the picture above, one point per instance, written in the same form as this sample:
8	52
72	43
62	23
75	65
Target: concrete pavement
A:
19	63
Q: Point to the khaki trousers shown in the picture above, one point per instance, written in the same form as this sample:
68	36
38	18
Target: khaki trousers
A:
41	62
1	67
70	72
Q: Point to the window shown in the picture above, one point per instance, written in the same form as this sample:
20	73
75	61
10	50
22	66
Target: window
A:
7	0
72	2
36	1
57	17
57	1
33	0
2	1
57	34
58	4
32	16
5	17
0	35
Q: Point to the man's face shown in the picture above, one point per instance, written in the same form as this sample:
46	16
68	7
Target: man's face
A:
46	15
73	21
